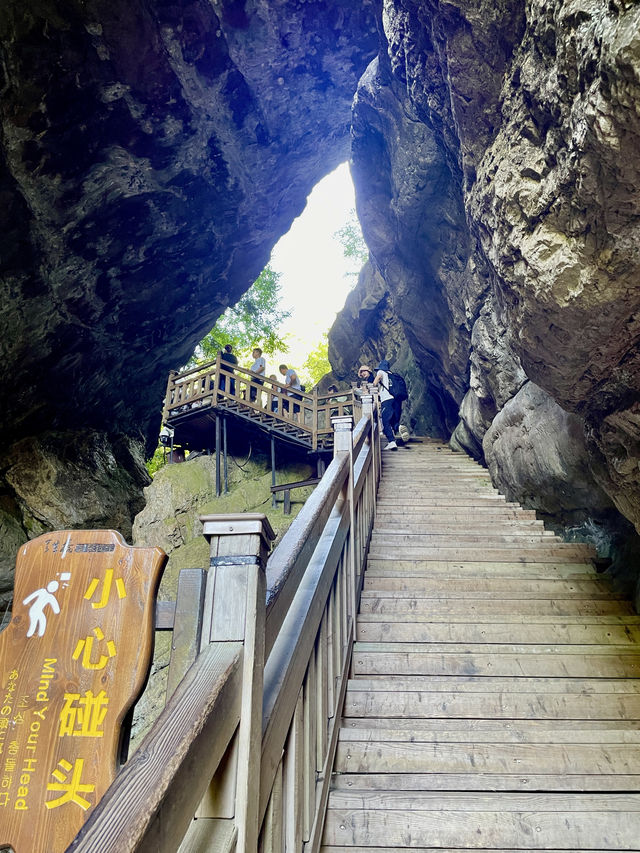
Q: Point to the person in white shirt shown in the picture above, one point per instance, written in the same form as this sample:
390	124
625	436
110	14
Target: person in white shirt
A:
386	403
293	384
259	366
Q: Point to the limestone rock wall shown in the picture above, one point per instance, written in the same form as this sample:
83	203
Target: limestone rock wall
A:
496	158
62	480
151	155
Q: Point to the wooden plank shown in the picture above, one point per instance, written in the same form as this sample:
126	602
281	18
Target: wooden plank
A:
471	567
495	684
271	837
530	822
151	803
514	782
428	585
185	643
398	703
527	831
293	794
522	729
210	835
499	758
390	730
492	528
409	544
477	803
330	848
408	591
492	663
476	553
288	562
498	649
426	618
534	606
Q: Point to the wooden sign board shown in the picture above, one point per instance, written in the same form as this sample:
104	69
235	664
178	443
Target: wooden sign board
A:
73	660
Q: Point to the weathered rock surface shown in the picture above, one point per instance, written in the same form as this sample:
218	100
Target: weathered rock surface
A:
151	157
150	160
497	171
65	480
368	330
537	452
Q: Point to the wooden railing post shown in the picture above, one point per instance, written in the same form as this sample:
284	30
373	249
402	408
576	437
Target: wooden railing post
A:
167	396
342	437
235	611
216	380
343	443
315	425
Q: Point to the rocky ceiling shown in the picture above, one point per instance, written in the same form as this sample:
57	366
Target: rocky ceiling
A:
154	152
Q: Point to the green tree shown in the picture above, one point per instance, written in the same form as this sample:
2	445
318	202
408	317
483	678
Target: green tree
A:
354	247
317	362
253	321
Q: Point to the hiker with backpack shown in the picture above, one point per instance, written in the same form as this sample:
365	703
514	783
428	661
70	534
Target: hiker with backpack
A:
393	392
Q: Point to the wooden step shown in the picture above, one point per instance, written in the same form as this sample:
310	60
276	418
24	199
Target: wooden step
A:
451	608
491	759
475	552
424	704
494	702
481	515
385	564
430	586
496	660
529	630
438	820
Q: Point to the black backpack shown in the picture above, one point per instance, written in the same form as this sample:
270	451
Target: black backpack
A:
397	387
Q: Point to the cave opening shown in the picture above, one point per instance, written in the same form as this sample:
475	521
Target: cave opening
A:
316	266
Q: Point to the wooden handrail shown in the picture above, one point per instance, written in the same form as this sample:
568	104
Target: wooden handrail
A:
297	634
290	559
300	634
152	800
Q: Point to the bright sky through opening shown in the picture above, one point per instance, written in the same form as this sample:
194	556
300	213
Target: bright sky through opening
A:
314	282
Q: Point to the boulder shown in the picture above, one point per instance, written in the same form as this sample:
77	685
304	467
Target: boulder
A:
536	453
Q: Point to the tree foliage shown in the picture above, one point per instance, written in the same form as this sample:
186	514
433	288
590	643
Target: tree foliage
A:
354	247
253	321
317	362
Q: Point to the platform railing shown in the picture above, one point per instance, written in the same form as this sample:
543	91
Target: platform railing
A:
218	384
241	757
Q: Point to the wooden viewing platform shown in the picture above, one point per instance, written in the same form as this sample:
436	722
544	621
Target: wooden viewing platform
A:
197	398
494	698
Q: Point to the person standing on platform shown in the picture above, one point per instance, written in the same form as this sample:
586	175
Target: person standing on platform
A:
227	356
387	404
259	366
293	384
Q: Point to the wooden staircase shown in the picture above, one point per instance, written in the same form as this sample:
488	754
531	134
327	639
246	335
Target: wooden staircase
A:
494	699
